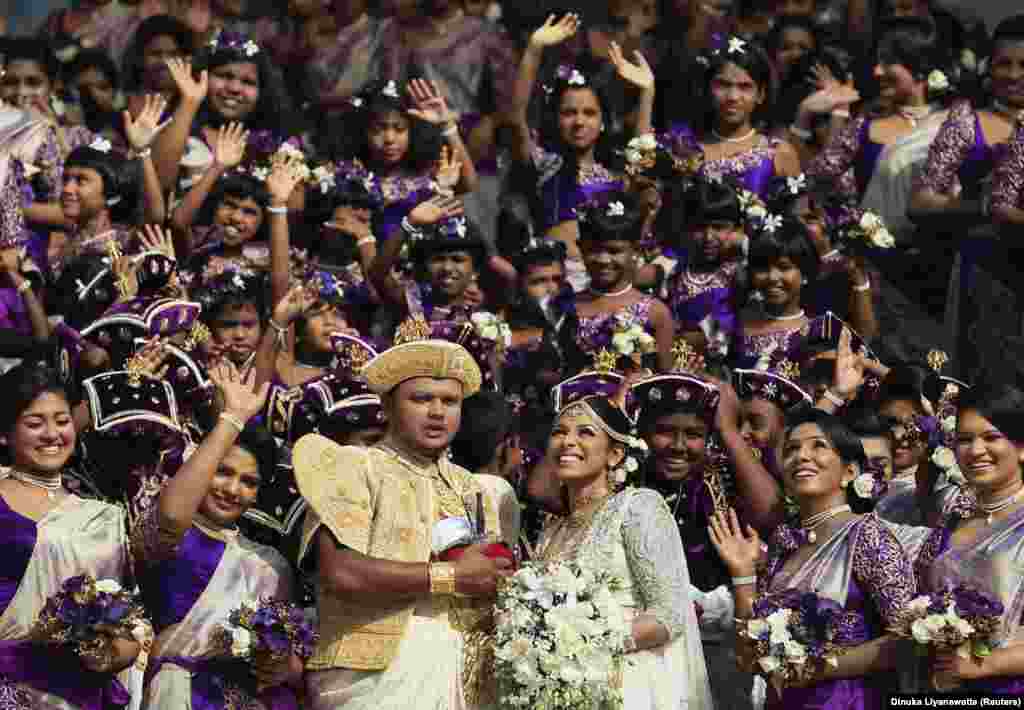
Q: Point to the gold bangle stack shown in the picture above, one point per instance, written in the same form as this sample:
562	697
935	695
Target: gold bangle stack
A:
442	578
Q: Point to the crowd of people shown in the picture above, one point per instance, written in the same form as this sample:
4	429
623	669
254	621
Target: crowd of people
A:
363	305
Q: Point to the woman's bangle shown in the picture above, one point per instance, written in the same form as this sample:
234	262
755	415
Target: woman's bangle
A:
450	130
833	398
744	581
442	578
277	210
866	286
367	240
233	421
841	113
142	154
802	133
25	286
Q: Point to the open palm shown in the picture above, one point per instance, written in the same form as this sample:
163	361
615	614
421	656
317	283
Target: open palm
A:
554	31
638	72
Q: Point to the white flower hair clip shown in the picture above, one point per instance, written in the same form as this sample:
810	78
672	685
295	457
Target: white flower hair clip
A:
736	46
390	89
101	144
796	184
616	209
356	101
250	48
772	222
937	80
576	78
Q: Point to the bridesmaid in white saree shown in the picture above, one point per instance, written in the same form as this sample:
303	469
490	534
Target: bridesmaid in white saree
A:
195	567
631	533
51	535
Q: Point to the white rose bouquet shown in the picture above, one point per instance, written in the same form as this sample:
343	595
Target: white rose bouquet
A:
865	230
560	638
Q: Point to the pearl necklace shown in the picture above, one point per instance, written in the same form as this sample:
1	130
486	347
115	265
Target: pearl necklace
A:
795	316
699	281
50	485
991	509
742	139
612	294
817	520
915	114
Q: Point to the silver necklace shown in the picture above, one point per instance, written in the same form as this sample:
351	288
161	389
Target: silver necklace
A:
993	508
742	139
816	521
50	485
612	294
795	316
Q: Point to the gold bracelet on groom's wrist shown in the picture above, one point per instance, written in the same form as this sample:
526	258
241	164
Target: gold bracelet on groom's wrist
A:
442	578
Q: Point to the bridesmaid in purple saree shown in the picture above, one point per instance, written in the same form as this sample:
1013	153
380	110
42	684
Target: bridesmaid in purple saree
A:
984	544
51	535
854	560
724	138
195	567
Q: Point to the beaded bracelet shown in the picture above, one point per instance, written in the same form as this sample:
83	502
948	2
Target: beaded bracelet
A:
743	581
277	210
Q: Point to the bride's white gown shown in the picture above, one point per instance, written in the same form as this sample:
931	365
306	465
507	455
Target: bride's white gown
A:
634	537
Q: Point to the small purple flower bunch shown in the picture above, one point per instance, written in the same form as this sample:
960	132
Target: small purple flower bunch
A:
795	635
957	617
571	75
227	41
271	627
85	614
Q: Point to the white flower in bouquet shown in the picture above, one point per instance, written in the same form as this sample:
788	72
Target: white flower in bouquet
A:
758	629
241	642
644	142
795	652
937	80
769	664
633	156
918	606
882	238
778	624
955	476
944	458
756	211
487	325
864	485
869	222
969	60
949	425
108	586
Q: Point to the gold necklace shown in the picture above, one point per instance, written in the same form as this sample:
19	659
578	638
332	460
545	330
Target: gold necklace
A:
584	509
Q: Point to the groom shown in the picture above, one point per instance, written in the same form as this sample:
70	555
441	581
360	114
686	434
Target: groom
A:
397	629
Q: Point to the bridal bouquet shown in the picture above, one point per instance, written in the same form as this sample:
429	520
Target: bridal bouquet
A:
865	229
560	638
794	636
85	613
271	627
961	618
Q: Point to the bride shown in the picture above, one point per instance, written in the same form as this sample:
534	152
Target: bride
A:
631	531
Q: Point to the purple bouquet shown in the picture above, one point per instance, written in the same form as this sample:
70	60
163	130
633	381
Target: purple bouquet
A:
86	613
272	628
955	617
794	635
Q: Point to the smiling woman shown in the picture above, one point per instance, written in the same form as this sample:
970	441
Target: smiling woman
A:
631	533
51	535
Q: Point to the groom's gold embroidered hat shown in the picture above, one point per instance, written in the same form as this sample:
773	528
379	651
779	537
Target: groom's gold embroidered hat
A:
437	359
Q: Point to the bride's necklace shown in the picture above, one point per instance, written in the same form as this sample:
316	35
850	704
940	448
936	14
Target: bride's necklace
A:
991	509
584	509
50	485
915	114
612	294
741	139
795	316
815	521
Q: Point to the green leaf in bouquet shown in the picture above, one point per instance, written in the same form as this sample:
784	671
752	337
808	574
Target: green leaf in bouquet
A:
980	649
